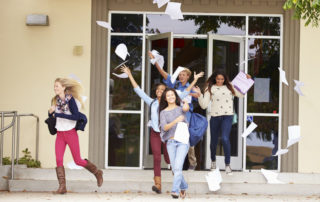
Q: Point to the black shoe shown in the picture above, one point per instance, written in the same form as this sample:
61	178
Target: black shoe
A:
174	195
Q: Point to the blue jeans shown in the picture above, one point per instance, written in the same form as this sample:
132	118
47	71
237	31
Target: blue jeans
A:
177	153
223	124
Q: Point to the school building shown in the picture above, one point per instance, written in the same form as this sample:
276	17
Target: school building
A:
254	36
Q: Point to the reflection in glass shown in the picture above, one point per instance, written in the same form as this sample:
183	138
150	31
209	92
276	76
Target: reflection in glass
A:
120	97
129	23
196	24
124	140
262	143
267	26
263	63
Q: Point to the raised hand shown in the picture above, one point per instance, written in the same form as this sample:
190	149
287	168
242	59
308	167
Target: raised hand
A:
150	55
125	69
197	89
197	76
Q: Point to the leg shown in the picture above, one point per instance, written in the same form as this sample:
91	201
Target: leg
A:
60	147
214	134
155	142
165	153
225	134
192	158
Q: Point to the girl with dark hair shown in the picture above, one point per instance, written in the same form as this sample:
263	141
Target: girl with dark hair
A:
221	93
171	113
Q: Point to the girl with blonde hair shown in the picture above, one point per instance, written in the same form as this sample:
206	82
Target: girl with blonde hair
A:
65	107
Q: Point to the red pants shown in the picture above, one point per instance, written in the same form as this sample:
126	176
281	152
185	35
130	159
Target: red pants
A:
156	144
71	139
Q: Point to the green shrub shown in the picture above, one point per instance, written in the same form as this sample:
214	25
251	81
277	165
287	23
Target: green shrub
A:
26	160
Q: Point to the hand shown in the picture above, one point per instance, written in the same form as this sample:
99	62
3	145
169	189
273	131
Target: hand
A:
52	109
125	69
180	118
197	76
150	55
197	90
248	76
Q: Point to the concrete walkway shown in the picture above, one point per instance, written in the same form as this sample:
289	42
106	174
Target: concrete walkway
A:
145	197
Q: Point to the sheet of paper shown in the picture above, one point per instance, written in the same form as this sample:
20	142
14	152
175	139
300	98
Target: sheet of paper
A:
283	76
122	51
84	98
241	83
182	133
120	65
293	135
174	10
122	76
271	176
72	165
104	24
160	3
249	130
74	77
176	74
281	151
297	87
214	179
157	58
261	90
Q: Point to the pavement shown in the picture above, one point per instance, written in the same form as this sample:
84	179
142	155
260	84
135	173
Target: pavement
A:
146	197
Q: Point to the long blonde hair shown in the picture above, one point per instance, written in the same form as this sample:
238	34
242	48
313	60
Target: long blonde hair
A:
72	87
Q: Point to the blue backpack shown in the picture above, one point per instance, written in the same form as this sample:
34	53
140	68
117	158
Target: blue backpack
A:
197	128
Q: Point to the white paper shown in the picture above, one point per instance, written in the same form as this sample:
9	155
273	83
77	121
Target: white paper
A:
104	24
249	130
176	74
283	76
84	98
187	98
122	76
281	151
182	133
297	87
160	3
72	165
242	83
122	51
73	76
214	179
271	177
157	58
293	135
261	90
174	10
120	65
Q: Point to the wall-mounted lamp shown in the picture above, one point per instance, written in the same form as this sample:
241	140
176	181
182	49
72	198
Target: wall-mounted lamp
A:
37	20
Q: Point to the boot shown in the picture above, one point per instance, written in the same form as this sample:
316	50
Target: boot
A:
62	180
94	170
157	185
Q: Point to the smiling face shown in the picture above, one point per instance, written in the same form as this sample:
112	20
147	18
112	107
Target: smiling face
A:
58	88
183	77
219	80
170	97
160	90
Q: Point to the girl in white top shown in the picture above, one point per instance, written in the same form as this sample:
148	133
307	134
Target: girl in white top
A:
220	92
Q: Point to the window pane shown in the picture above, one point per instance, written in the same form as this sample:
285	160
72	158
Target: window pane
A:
267	26
124	140
262	143
264	55
122	96
192	24
129	23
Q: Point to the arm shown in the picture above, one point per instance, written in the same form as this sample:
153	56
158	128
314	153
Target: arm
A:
73	109
163	73
185	107
203	100
196	77
164	125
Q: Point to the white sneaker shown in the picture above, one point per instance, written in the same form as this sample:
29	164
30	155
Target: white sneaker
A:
169	167
213	165
228	170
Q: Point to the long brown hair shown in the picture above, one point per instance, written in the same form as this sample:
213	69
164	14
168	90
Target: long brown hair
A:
163	101
212	81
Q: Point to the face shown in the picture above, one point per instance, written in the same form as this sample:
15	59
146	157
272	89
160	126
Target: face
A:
183	77
160	90
219	80
58	88
170	97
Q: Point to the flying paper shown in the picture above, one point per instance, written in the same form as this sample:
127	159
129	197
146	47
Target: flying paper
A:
271	177
72	165
293	135
160	2
297	87
174	10
157	58
122	76
249	130
104	24
283	76
214	179
73	76
120	65
242	83
281	151
122	51
176	74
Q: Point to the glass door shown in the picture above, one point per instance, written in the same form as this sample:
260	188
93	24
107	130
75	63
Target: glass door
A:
163	44
227	53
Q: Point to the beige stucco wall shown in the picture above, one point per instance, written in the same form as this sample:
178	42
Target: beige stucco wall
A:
33	56
309	107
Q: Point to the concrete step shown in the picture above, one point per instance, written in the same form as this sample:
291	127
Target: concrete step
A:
35	179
